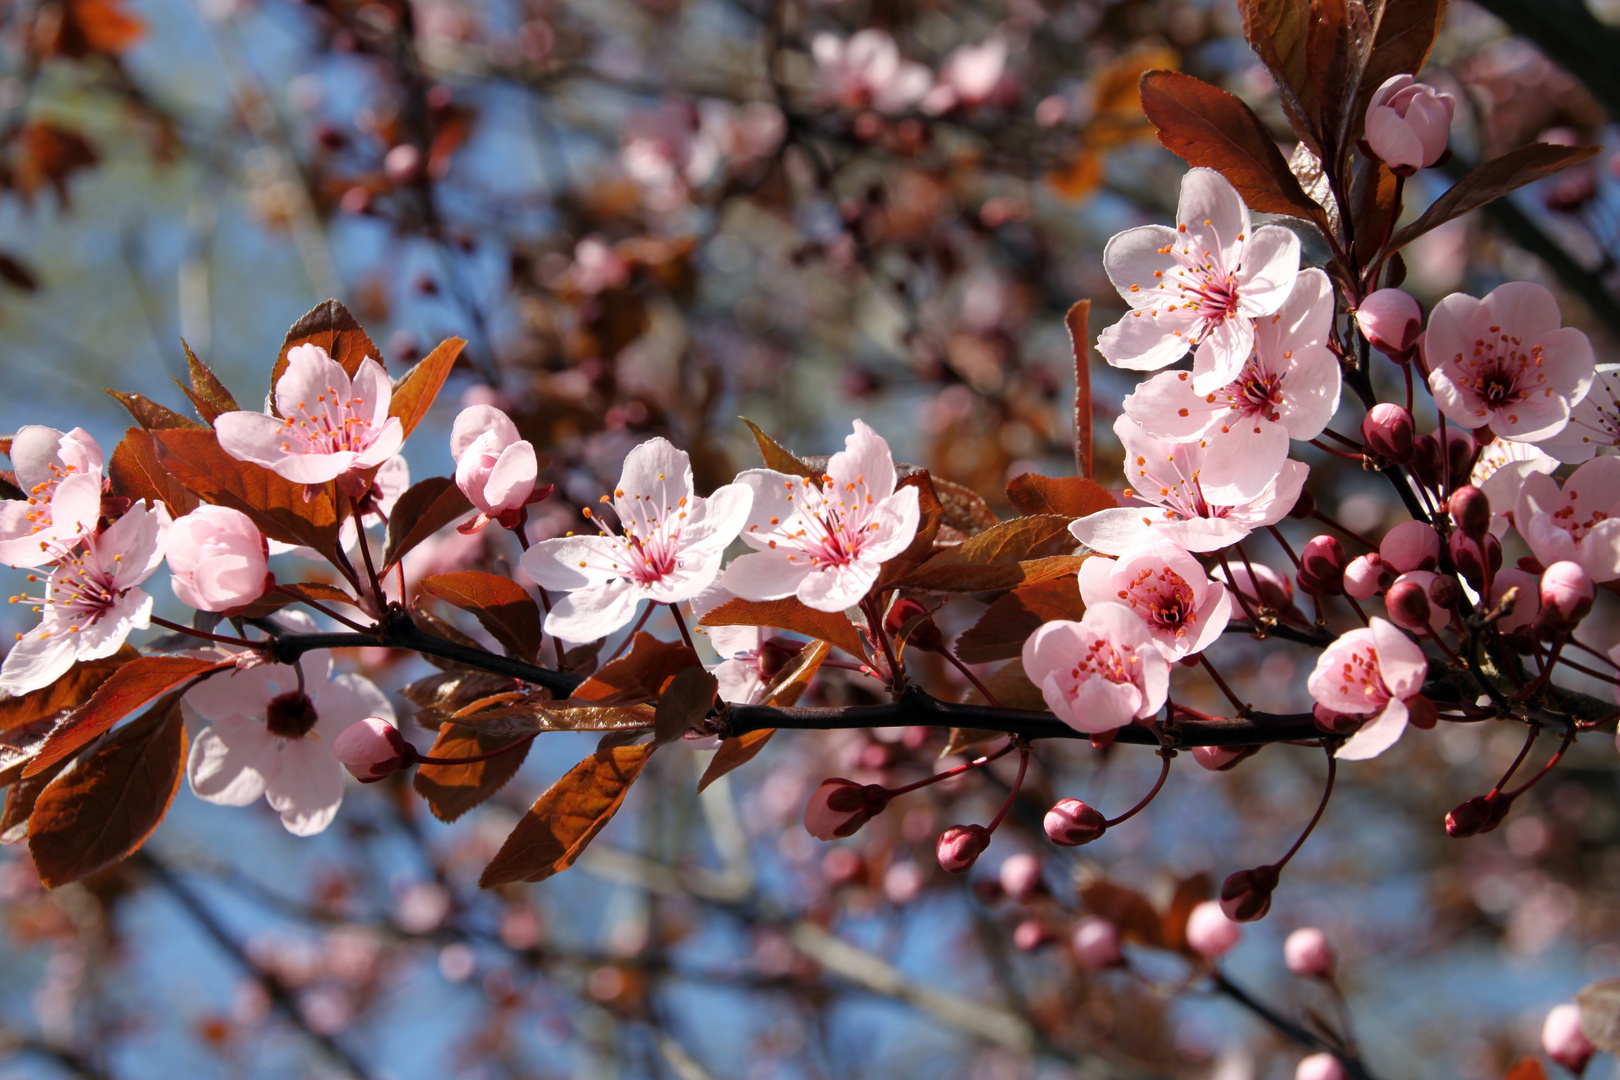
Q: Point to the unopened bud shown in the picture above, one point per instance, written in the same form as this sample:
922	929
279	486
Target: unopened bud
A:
1461	450
1471	510
1567	593
1096	943
1031	934
1563	1039
1209	932
1020	876
1366	577
774	654
1072	823
960	846
1222	758
1308	953
840	807
1408	604
1477	557
1411	545
1389	430
1246	895
372	749
924	635
1421	713
1391	320
1319	1067
1321	566
1478	815
1427	462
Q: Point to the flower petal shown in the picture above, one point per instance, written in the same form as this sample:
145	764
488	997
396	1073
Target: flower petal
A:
229	761
593	612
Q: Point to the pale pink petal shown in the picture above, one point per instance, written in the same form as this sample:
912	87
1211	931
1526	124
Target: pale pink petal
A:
1118	530
385	443
896	520
372	392
1100	705
512	479
1525	309
34	449
1144	341
1166	405
1270	268
1568	362
477	421
1213	616
593	612
656	477
575	562
696	571
36	662
1097	580
1222	354
1138	263
717	519
772	498
765	575
308	788
864	459
1379	735
1392	139
1305	318
1401	663
1311	393
838	587
1217	221
310	375
229	761
1548	542
1243	460
1600	550
345	701
107	634
1532	420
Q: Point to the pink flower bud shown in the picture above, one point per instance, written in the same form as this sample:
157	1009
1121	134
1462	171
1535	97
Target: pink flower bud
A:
1563	1039
403	164
1526	602
925	635
1427	463
1246	895
1072	823
495	468
1031	934
1411	545
1391	320
1209	932
1222	758
1321	566
1021	877
372	749
1096	943
1567	593
1388	430
1461	451
960	846
840	807
1470	509
1409	124
1408	604
1477	557
1319	1067
217	558
1308	953
1366	577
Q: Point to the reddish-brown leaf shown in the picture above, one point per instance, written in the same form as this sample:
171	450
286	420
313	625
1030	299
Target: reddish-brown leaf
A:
330	326
416	392
500	604
152	416
96	814
21	800
1372	202
567	817
127	689
1012	688
790	614
136	473
640	676
1491	181
65	694
1190	892
784	692
1125	908
1071	496
424	509
1279	33
963	508
1403	36
276	505
1006	624
686	700
50	155
452	790
1527	1069
1023	551
776	457
102	26
1078	320
931	515
208	395
1205	125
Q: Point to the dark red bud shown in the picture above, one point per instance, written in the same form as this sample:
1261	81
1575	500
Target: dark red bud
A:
1477	558
960	846
1461	450
1246	895
774	654
1478	815
1408	604
1445	593
1321	566
1389	430
1471	510
1425	461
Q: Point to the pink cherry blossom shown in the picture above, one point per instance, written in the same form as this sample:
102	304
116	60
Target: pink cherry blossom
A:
1168	590
1501	470
265	732
825	543
1200	284
867	71
91	601
495	469
969	75
329	429
1409	123
372	749
1594	423
1321	1066
740	673
1391	321
1165	478
1370	671
1563	1039
1507	361
669	550
60	476
1287	389
1099	674
217	558
1580	523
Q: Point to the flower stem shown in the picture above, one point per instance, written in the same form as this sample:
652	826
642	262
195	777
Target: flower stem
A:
957	771
324	610
680	624
970	677
1321	807
1552	763
1018	782
1153	793
223	639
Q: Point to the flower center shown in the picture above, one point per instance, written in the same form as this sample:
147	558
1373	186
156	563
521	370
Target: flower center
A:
331	427
1161	598
652	544
1102	661
1565	517
835	526
1359	678
1501	371
290	716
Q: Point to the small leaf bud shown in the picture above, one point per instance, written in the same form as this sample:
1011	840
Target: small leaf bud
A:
372	749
